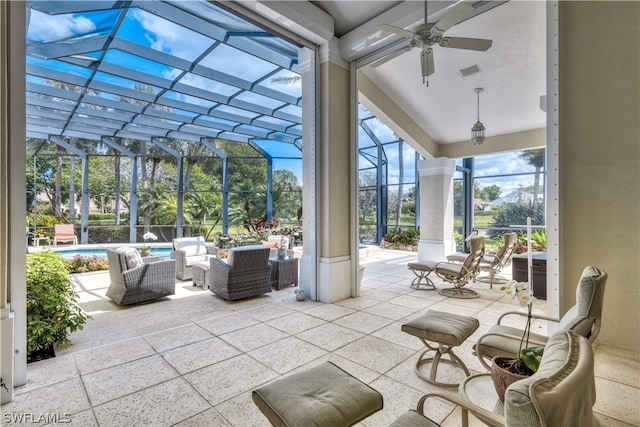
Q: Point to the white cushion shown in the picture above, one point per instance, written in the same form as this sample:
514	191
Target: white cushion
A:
193	260
190	245
131	256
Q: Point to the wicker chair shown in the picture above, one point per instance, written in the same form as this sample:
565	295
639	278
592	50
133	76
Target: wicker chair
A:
245	274
135	279
188	251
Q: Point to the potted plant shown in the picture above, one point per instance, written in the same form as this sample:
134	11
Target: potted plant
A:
145	250
52	309
506	370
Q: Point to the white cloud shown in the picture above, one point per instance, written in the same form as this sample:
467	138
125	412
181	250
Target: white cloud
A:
168	37
48	28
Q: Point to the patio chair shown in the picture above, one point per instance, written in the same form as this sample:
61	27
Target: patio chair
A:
493	264
247	273
188	251
583	318
135	279
460	274
64	233
561	392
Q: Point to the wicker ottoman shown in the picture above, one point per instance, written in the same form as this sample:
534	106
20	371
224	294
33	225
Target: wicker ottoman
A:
321	396
422	269
447	330
201	274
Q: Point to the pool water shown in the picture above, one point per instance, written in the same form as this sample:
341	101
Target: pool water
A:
102	252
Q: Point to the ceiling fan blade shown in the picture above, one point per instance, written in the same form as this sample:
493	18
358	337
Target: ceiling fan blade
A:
426	62
460	12
392	55
466	43
395	30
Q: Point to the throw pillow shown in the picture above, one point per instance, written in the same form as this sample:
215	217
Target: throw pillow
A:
133	259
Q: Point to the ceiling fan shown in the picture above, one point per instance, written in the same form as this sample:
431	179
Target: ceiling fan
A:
428	34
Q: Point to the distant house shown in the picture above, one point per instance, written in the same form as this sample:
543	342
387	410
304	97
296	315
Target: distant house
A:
518	197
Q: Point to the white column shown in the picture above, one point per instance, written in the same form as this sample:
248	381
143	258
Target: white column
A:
436	208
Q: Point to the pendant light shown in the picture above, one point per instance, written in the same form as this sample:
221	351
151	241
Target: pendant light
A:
477	131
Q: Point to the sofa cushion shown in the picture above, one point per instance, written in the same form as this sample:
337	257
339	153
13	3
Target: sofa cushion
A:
191	246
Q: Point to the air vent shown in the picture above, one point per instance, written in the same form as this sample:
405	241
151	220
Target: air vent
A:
470	70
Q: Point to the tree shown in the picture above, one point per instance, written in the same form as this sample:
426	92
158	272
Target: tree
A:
535	158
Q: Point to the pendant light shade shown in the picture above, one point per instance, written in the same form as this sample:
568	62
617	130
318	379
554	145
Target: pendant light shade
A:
477	131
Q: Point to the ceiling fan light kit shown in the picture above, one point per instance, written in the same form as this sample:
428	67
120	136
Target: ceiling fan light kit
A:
428	34
477	131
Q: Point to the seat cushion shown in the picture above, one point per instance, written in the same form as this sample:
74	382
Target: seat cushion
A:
324	395
413	418
442	327
506	341
195	259
422	265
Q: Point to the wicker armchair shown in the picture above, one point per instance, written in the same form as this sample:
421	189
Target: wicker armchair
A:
245	274
188	251
135	279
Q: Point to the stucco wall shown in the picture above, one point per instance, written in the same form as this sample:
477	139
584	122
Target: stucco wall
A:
600	158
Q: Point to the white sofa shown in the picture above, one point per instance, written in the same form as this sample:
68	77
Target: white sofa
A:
188	251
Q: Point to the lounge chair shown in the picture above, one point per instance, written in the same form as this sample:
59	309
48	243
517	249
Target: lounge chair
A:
247	273
64	233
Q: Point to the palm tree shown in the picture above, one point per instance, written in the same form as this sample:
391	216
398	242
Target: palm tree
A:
535	158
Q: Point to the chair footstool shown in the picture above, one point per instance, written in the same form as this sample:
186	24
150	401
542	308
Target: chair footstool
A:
422	269
201	274
447	330
321	396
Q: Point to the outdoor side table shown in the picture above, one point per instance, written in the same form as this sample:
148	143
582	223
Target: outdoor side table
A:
479	390
284	272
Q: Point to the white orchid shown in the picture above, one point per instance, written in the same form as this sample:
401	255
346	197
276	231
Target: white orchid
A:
523	294
149	236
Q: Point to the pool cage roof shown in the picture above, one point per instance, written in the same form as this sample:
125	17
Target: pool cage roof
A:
152	70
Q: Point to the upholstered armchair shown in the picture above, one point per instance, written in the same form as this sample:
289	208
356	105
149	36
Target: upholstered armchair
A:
135	279
460	274
188	251
583	318
245	274
561	392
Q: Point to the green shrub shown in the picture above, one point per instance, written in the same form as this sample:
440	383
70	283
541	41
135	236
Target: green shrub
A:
398	237
52	309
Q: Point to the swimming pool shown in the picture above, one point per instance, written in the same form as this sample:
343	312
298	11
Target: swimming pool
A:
101	252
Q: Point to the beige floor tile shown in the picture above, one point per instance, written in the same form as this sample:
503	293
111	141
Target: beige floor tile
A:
390	310
227	379
329	312
241	411
49	371
411	301
253	337
374	353
112	383
296	323
210	417
220	325
287	354
616	365
393	333
330	336
177	337
359	303
112	355
64	397
267	312
151	406
363	322
200	354
618	401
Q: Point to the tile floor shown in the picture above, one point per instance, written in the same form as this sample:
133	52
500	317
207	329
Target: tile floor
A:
193	359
